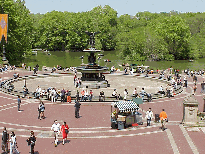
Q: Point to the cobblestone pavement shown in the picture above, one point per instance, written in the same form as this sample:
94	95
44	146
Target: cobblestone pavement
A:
91	133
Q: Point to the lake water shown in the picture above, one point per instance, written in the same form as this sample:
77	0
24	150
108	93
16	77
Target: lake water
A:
67	59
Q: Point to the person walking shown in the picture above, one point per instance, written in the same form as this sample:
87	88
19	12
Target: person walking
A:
39	110
31	141
77	109
42	109
56	128
13	144
125	94
149	116
163	118
195	79
19	103
64	130
202	87
195	88
5	139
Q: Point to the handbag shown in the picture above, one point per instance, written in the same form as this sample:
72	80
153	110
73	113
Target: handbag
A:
66	131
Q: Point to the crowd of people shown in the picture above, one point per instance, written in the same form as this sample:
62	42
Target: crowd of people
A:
6	68
53	94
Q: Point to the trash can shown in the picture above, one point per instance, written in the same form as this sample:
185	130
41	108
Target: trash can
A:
114	124
121	125
138	118
157	118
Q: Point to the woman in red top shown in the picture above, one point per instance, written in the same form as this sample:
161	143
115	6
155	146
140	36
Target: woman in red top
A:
64	130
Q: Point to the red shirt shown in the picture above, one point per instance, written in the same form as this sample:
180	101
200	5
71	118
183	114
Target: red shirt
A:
82	93
63	127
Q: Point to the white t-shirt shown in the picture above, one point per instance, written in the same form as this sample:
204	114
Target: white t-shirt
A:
160	89
38	90
149	114
125	92
13	139
114	93
56	127
86	93
53	92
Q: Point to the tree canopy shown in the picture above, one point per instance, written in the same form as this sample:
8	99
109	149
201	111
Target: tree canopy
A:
144	36
20	26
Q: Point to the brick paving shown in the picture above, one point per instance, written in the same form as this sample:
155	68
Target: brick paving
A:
92	133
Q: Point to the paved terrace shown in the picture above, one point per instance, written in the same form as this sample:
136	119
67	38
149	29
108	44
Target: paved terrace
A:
91	133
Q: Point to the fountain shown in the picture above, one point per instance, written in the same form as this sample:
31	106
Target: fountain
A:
92	73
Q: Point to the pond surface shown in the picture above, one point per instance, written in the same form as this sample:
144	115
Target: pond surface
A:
67	59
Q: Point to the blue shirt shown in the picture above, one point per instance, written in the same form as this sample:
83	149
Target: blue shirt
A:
19	100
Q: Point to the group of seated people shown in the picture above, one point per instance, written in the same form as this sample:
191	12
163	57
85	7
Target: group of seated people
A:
199	72
59	67
53	94
5	68
85	95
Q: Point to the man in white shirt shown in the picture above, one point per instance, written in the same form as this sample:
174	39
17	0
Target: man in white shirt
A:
161	90
38	91
86	95
135	92
149	116
125	94
56	127
54	95
142	93
114	93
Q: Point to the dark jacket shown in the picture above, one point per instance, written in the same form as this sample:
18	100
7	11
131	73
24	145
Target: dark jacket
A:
77	105
5	136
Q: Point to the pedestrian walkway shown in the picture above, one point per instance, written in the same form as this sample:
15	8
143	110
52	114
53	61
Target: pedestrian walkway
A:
92	131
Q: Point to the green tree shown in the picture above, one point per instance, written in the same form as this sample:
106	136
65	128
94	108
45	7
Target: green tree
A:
19	30
176	34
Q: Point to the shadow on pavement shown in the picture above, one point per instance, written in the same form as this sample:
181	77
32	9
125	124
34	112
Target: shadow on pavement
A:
60	142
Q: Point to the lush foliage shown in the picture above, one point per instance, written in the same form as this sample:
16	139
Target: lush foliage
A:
144	36
19	30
